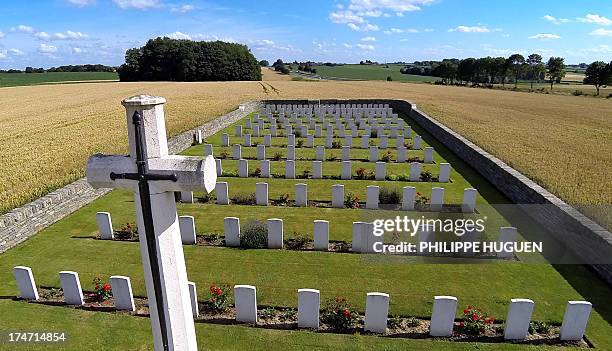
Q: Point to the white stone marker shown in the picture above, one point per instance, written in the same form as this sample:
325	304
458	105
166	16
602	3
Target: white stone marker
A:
373	154
290	152
275	233
268	140
346	153
71	286
377	310
265	169
346	170
444	173
290	139
358	230
310	140
231	230
317	169
428	158
301	195
289	169
105	225
187	197
221	189
469	200
26	284
408	198
338	196
289	130
261	194
372	192
329	141
208	150
261	152
443	316
219	167
193	297
381	171
187	228
401	154
237	152
318	131
256	130
407	132
225	140
415	172
517	321
575	320
507	235
309	303
384	141
243	168
273	130
145	118
348	141
122	293
416	142
245	299
320	153
197	137
247	140
365	141
321	235
238	131
399	142
437	199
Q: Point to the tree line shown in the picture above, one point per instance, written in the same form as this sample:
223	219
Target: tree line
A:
66	68
498	70
186	60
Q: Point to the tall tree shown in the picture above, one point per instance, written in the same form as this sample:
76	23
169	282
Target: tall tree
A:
466	70
555	69
515	64
499	69
598	74
536	67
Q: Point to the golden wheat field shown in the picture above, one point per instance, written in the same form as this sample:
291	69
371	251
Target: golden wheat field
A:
47	132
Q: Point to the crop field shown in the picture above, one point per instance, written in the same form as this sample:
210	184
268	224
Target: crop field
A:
48	132
371	72
19	79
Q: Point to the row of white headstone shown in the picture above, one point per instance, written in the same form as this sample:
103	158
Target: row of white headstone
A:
372	196
318	133
346	170
368	124
442	321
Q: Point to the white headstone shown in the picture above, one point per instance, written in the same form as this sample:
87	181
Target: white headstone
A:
507	235
231	230
338	196
187	197
346	170
221	189
225	140
25	283
469	200
384	141
219	167
437	199
320	153
309	303
193	297
105	225
122	293
265	169
247	140
428	158
238	131
275	233
71	286
268	140
346	153
237	152
358	230
290	152
381	171
415	172
261	152
187	228
289	169
365	141
317	169
416	142
444	173
321	235
517	321
245	299
372	193
255	130
301	195
208	150
377	310
243	168
198	137
408	198
348	141
575	320
443	316
401	154
373	157
261	194
310	140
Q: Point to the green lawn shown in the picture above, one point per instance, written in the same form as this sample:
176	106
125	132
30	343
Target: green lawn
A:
19	79
412	282
371	72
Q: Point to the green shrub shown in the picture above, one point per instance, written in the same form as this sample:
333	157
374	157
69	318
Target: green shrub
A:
386	157
339	314
351	201
300	143
475	322
538	327
254	235
426	176
245	199
298	242
277	156
389	195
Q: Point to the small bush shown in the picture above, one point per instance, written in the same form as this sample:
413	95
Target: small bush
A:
351	201
298	242
389	195
538	327
421	199
223	155
277	156
219	298
300	142
426	176
305	174
245	199
371	143
254	235
267	313
102	290
475	322
283	199
389	79
128	231
339	314
364	174
413	322
256	173
374	133
386	157
336	145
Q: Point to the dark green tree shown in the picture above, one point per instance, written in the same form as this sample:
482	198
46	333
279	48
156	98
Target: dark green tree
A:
598	74
555	70
535	68
515	64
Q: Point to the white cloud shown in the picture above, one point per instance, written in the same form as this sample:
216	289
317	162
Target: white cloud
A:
16	52
77	50
22	28
183	8
67	35
472	29
82	3
47	49
178	35
397	6
368	39
545	36
597	19
601	49
1	35
555	20
345	17
3	54
137	4
365	47
355	20
428	30
348	46
602	32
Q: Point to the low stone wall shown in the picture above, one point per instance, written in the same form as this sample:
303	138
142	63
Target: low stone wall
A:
22	223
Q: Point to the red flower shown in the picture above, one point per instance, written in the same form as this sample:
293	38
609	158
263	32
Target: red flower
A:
470	307
212	288
106	287
346	313
474	317
212	299
219	291
461	325
465	311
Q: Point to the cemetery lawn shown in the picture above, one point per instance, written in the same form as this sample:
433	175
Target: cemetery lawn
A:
19	79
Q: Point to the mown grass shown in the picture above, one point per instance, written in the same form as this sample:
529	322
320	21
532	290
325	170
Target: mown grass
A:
371	72
19	79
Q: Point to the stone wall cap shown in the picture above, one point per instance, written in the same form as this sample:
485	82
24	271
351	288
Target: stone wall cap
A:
143	100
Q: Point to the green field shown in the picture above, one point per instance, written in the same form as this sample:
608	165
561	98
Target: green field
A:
371	72
19	79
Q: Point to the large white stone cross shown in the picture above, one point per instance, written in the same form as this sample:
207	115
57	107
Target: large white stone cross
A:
149	169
